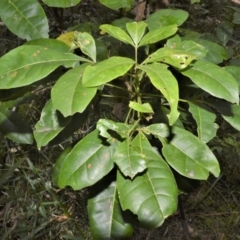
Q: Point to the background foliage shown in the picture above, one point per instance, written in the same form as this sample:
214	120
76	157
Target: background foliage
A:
36	59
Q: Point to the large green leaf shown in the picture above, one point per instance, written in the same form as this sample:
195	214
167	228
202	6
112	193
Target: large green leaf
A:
128	160
189	156
157	129
50	43
214	80
215	52
87	163
152	196
61	3
107	220
136	30
164	81
205	119
69	95
15	127
116	4
106	71
158	34
50	124
166	17
117	33
25	18
27	64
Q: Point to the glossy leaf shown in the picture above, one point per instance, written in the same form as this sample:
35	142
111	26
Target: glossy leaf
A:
166	17
128	160
214	80
61	3
32	63
69	95
178	59
136	30
87	163
105	127
15	127
107	220
187	46
205	119
50	43
158	34
86	43
117	33
142	108
215	53
152	196
50	124
164	81
106	71
25	18
116	4
189	156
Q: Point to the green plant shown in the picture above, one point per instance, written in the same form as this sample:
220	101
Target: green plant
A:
127	163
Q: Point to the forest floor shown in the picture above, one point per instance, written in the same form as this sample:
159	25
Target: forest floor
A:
31	207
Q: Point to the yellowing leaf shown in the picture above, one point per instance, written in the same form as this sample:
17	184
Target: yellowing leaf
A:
67	38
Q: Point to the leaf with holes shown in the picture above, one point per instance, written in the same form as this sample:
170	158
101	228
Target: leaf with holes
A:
25	18
69	95
189	156
214	80
32	63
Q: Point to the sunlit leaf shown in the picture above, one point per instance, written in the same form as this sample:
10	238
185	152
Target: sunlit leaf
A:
69	95
87	163
152	196
214	80
61	3
32	63
143	108
136	30
164	81
106	71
